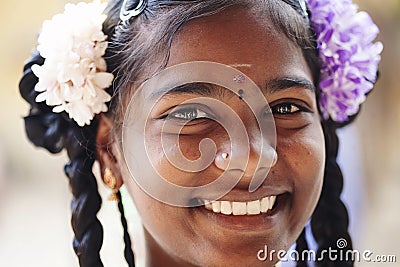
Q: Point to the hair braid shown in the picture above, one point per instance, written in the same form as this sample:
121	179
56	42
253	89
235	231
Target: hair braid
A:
87	201
129	256
54	132
301	245
330	220
41	125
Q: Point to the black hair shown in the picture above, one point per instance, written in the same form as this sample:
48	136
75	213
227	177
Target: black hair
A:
56	131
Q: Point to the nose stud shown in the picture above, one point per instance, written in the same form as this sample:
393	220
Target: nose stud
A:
267	161
222	160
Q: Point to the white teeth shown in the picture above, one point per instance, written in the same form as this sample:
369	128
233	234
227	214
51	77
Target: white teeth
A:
265	204
239	208
242	208
216	206
253	207
271	202
226	207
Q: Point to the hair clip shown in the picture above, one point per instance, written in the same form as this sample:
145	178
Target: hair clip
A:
303	6
126	15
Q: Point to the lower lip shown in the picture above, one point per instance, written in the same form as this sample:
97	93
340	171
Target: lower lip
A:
248	223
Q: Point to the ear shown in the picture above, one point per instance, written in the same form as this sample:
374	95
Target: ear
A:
106	150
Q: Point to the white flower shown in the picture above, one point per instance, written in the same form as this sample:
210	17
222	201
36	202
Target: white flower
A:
73	77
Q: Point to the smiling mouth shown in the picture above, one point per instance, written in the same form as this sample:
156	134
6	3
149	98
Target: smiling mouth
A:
242	208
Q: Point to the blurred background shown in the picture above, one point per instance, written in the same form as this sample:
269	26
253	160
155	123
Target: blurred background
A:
34	194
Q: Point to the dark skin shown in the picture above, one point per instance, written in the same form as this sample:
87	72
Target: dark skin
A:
176	236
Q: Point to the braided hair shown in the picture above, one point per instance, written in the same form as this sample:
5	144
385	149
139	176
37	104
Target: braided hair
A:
126	56
330	220
55	132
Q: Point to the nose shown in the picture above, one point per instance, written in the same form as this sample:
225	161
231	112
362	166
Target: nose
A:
259	155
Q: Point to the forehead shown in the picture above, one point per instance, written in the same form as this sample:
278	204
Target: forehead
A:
241	37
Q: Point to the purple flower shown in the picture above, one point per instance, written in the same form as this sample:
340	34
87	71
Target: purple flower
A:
349	58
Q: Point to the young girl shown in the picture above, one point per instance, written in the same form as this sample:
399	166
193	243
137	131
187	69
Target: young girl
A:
218	116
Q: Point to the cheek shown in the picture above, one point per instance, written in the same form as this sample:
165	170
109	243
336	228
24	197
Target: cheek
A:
171	158
179	160
302	159
163	222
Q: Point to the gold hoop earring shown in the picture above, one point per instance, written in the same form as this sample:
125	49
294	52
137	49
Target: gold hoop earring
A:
111	182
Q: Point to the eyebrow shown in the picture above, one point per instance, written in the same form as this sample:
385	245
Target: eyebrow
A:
202	89
280	84
206	89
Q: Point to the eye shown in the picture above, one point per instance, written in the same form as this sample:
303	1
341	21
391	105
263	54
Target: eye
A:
291	114
188	114
286	108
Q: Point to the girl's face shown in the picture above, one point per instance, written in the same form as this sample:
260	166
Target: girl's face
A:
198	236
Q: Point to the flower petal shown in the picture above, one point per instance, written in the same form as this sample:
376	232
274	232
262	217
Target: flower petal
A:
349	58
73	75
